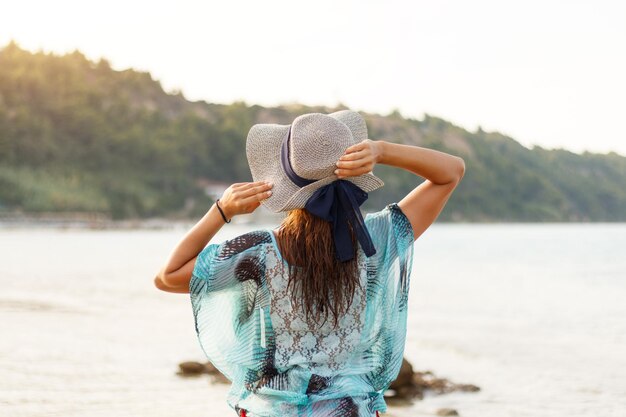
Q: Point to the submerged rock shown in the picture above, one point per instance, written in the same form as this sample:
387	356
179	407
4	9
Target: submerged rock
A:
215	373
191	368
403	388
447	412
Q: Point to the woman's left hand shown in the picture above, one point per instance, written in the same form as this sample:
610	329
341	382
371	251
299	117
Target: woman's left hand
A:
244	197
359	159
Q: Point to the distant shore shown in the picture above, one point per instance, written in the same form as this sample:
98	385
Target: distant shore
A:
99	221
83	221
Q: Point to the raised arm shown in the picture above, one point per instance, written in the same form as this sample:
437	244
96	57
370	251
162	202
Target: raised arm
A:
239	198
422	205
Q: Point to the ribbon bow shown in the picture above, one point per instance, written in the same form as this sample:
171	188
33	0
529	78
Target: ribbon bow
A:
338	203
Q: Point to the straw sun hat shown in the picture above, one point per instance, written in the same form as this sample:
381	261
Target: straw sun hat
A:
300	158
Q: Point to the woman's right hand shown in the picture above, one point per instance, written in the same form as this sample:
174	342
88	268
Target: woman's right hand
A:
244	197
359	158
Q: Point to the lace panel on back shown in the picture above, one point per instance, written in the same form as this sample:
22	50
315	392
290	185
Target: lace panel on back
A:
301	341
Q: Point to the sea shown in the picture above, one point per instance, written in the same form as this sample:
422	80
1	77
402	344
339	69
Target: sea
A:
534	314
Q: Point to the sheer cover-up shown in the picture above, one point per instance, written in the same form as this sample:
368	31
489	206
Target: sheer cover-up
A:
282	365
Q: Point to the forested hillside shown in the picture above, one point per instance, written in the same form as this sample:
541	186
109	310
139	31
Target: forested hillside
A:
76	135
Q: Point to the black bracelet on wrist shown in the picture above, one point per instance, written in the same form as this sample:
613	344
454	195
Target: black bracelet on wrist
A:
217	203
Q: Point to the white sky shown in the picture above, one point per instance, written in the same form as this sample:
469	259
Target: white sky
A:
549	72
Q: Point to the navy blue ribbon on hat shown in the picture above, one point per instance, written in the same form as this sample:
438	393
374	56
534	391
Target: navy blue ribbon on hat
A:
338	203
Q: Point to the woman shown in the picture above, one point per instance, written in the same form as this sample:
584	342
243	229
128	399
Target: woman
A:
310	319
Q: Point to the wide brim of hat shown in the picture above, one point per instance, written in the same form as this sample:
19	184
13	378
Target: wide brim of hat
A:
263	152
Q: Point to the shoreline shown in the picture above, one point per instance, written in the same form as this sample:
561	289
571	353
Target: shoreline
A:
97	221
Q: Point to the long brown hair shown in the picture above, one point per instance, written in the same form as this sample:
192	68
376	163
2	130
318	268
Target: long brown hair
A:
321	283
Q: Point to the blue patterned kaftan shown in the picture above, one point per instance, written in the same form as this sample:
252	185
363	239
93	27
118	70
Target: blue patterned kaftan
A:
282	365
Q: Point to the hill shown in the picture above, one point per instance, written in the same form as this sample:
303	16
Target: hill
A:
78	136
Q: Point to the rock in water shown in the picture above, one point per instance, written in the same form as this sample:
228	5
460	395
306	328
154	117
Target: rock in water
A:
403	388
447	412
410	385
405	376
215	373
210	369
467	387
191	368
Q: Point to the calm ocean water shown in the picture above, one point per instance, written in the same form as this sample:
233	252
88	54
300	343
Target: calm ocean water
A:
535	314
